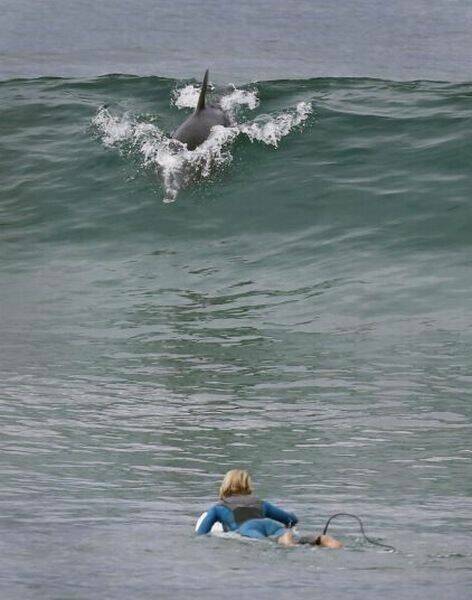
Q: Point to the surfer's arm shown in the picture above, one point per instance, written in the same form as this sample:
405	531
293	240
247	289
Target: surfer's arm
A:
217	514
210	519
282	516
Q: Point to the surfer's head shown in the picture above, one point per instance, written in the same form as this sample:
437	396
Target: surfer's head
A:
236	483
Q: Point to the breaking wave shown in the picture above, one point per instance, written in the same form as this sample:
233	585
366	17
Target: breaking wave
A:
136	136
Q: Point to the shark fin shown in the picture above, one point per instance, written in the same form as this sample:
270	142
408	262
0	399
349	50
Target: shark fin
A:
201	98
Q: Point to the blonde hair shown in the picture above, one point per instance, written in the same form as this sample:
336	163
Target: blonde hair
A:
236	482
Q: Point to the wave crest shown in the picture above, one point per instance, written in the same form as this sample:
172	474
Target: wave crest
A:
171	160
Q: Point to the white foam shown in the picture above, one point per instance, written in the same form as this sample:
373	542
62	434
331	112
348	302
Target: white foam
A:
238	98
178	166
113	129
270	130
171	160
186	97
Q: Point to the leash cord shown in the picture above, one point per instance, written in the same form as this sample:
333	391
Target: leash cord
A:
361	524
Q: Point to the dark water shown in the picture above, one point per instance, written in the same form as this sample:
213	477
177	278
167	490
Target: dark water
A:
293	298
303	311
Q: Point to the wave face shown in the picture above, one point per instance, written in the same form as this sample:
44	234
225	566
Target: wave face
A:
171	160
293	296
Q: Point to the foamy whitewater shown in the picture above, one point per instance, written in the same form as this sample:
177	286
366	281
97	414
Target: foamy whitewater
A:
135	136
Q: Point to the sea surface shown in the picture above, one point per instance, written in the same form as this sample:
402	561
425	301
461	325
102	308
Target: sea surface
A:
294	297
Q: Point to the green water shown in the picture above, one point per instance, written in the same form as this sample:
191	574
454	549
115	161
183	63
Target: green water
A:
303	311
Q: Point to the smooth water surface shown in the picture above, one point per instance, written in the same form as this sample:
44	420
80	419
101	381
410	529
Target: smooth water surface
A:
239	41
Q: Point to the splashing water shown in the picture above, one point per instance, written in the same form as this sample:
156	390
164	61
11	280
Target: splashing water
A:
175	164
270	130
186	97
113	129
239	98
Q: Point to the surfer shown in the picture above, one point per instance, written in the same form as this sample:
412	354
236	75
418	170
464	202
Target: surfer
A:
239	510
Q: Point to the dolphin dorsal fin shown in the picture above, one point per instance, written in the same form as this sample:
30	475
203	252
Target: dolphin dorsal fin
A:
201	98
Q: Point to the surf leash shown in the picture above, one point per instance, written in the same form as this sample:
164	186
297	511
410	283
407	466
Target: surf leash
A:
361	525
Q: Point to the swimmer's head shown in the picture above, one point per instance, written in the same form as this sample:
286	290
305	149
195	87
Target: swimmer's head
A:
236	483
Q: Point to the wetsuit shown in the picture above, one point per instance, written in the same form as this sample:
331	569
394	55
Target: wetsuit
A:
267	525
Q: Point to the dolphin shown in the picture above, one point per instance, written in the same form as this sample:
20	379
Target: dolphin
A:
196	129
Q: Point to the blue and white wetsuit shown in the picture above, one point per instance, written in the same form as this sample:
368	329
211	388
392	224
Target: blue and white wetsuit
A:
269	525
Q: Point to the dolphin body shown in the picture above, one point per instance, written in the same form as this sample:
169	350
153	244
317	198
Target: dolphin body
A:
196	129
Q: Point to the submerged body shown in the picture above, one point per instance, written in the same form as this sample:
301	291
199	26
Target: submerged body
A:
197	128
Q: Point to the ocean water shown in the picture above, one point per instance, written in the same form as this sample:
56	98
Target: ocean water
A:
240	41
302	309
293	298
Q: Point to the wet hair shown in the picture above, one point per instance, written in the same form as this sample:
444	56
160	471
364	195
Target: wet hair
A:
236	483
